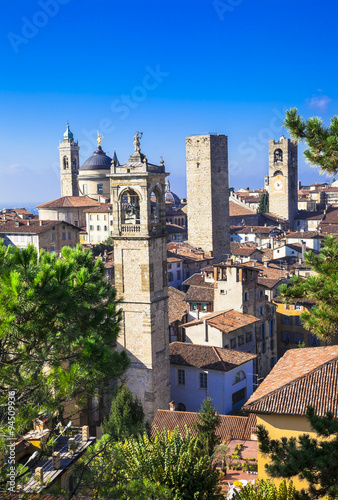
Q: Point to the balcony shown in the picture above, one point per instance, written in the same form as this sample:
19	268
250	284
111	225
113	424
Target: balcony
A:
130	228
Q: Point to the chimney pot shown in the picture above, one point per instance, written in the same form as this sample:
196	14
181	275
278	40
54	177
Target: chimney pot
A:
172	405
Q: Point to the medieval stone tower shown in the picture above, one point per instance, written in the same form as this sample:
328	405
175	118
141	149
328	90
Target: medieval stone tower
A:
283	178
69	164
208	194
140	258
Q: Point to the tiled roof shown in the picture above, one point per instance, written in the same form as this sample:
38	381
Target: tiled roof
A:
236	209
198	280
231	426
302	377
328	228
173	257
257	229
174	228
177	306
273	217
189	252
199	294
70	201
103	208
30	226
225	321
207	357
304	234
242	250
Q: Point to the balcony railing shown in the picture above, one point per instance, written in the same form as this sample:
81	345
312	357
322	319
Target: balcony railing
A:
130	228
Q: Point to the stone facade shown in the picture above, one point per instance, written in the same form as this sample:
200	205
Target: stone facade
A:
69	164
208	194
140	258
283	178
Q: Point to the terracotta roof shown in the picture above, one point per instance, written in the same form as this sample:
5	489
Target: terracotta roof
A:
70	201
302	377
30	226
257	229
173	257
242	250
225	321
270	271
236	209
199	294
207	356
304	234
103	208
174	228
177	306
189	252
197	279
273	217
328	228
231	426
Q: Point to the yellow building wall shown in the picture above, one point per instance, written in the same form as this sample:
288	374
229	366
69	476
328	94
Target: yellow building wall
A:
280	426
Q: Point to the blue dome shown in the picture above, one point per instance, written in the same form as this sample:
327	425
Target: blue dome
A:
98	161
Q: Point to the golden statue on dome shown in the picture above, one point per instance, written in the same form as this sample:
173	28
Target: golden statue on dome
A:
99	138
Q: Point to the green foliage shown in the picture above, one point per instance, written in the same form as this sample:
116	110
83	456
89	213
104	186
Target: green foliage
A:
126	416
174	461
101	248
263	206
322	141
312	459
266	490
322	319
59	320
206	425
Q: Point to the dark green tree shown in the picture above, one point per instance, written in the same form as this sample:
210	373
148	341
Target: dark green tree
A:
312	459
126	417
206	426
322	141
101	248
263	206
322	288
59	321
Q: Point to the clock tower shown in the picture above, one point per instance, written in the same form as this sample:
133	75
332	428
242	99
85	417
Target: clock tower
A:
283	178
140	260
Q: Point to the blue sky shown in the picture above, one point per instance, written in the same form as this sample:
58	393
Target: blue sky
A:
168	69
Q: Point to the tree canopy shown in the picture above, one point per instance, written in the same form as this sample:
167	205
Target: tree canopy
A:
59	321
322	288
322	141
312	459
206	426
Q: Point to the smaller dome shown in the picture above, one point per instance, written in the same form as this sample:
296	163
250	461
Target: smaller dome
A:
171	197
98	161
68	135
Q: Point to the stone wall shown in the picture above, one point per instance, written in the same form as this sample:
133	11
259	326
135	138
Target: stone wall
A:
208	193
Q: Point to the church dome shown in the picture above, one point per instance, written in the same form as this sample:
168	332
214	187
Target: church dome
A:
171	197
98	161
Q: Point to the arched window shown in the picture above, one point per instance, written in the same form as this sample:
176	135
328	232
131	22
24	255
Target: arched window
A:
180	407
239	377
155	206
65	162
278	156
130	207
278	172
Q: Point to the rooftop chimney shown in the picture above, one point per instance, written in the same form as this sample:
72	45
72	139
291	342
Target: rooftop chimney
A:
172	405
40	222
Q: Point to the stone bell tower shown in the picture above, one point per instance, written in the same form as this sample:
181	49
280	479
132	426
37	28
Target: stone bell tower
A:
140	257
283	178
69	164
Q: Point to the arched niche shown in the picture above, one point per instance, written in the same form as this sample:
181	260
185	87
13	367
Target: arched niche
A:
65	162
155	204
130	206
278	156
278	172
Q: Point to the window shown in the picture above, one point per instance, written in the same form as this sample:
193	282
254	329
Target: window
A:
233	344
105	228
181	377
261	311
240	340
65	162
64	236
105	217
272	327
297	321
261	293
263	332
91	228
194	306
238	396
263	347
15	237
272	362
111	222
170	277
90	217
22	237
248	337
239	377
169	266
84	189
178	275
204	306
203	380
69	235
298	307
286	320
100	189
245	296
97	217
53	236
52	248
286	337
98	228
178	264
76	223
278	156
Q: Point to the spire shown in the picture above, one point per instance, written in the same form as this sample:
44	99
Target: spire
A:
68	135
115	158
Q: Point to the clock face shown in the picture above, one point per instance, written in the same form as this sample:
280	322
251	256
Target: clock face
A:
278	185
